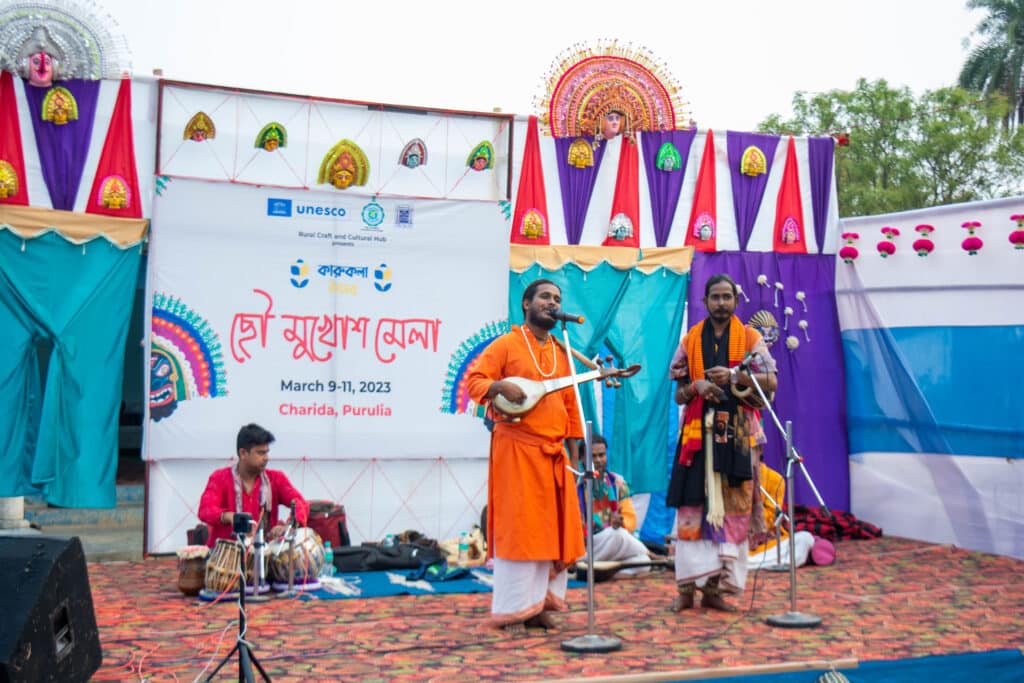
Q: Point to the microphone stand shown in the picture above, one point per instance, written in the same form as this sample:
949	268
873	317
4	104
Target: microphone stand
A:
792	618
591	641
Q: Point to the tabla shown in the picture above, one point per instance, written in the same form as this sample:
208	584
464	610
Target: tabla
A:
222	567
307	555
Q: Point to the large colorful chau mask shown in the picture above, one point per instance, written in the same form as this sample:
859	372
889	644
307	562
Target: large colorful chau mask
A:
344	165
51	40
607	91
414	154
482	157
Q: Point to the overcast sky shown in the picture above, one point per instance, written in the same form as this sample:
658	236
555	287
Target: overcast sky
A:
736	61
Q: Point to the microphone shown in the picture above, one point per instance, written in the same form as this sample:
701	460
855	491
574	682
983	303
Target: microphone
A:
744	365
566	317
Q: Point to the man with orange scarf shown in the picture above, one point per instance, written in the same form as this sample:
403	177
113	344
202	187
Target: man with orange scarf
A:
714	482
534	530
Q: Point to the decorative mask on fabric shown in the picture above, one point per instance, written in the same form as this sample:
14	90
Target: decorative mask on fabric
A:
59	106
765	323
753	162
790	231
533	225
704	226
114	193
271	136
620	227
8	180
581	154
162	380
200	128
669	158
414	154
482	157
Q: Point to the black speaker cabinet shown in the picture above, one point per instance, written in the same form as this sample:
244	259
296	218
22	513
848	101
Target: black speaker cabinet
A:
48	627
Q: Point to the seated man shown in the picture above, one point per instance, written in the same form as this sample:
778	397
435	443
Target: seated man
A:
762	546
250	487
614	518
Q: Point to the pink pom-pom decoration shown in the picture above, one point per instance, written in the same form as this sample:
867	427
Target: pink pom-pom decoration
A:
970	226
850	237
972	245
849	254
925	229
923	246
1017	239
886	248
890	232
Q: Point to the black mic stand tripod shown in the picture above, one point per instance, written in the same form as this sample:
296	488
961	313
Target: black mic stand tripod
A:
792	618
246	658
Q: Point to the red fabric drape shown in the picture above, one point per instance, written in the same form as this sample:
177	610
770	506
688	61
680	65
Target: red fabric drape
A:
789	211
704	198
118	160
531	201
10	140
626	201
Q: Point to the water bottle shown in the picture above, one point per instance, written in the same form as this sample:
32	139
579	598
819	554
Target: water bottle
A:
328	569
463	549
389	541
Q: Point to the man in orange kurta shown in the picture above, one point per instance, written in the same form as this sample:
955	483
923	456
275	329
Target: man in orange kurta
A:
533	520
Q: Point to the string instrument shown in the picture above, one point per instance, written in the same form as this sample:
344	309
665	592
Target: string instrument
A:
536	390
749	397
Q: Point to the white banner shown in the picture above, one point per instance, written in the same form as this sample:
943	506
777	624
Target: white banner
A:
330	320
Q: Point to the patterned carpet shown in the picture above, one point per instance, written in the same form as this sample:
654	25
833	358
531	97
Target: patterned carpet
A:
884	599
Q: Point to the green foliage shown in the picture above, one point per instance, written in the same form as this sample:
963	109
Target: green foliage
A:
907	153
996	64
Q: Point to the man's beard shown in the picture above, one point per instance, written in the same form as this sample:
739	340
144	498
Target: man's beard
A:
543	322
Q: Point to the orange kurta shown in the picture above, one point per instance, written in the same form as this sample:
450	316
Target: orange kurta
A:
532	508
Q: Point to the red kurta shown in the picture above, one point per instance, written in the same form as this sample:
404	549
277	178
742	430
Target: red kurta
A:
219	497
532	508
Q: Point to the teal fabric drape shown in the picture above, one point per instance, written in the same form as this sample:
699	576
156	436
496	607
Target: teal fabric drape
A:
60	431
638	317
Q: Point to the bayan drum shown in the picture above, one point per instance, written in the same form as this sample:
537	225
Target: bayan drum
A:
307	557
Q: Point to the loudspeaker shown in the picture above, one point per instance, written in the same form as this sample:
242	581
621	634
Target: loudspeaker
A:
48	630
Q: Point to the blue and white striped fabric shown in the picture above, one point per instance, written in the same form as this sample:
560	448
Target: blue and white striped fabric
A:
934	370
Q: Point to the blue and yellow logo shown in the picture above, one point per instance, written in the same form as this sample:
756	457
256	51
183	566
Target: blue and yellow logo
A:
382	278
300	274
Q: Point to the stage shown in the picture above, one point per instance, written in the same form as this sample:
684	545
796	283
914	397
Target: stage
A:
885	599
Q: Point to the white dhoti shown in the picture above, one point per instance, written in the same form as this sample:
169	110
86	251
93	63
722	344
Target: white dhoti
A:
804	541
618	545
525	588
698	561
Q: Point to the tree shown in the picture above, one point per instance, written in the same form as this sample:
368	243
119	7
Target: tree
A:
996	64
910	153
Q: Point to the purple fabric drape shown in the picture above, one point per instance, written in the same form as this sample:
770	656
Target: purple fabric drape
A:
812	379
63	149
747	191
820	155
664	186
577	185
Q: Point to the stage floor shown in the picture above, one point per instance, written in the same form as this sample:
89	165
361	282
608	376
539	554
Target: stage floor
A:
884	599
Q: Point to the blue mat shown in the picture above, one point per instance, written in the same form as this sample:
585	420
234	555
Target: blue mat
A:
381	584
997	666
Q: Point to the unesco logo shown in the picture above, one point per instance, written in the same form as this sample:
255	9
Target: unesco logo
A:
279	207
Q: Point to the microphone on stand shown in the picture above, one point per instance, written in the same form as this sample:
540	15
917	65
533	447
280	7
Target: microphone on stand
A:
744	365
566	317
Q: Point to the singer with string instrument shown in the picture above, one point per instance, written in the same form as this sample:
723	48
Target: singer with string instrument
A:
248	486
716	466
533	520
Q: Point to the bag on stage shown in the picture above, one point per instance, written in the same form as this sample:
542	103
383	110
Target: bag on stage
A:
328	520
405	556
354	558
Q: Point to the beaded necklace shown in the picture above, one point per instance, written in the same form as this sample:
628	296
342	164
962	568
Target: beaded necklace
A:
529	347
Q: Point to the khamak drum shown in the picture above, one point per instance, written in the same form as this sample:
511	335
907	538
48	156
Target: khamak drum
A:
307	557
222	567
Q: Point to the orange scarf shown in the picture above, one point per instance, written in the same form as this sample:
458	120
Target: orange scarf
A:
692	418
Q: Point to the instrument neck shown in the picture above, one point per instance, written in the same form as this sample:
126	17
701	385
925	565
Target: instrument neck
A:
563	382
